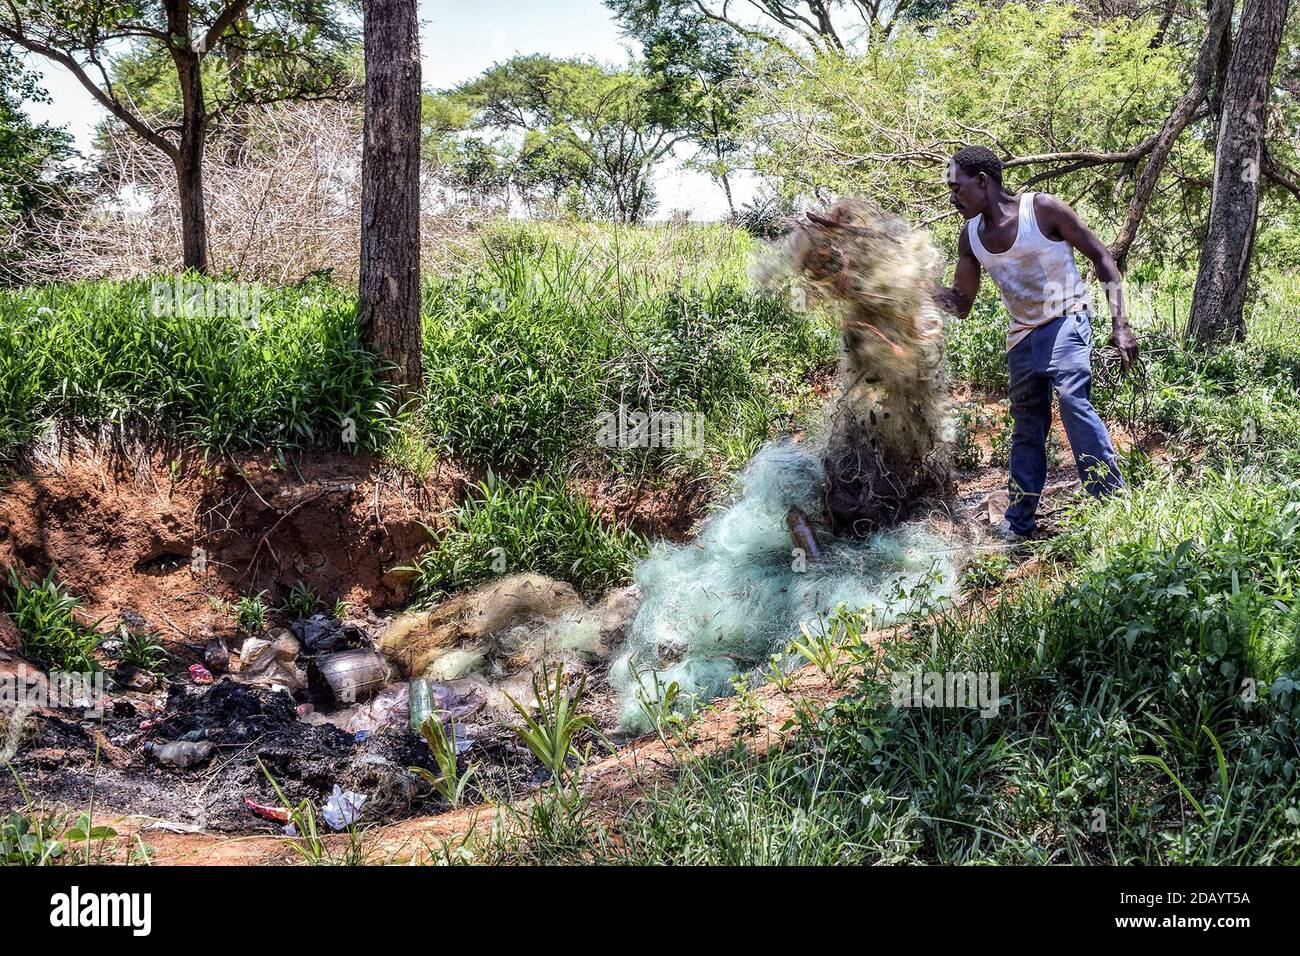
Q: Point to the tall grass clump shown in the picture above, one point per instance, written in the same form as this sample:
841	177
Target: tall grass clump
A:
535	524
44	612
97	354
526	352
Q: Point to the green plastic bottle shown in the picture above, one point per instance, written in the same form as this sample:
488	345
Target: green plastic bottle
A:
421	703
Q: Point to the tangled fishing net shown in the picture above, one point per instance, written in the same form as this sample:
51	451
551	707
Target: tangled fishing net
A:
887	447
720	606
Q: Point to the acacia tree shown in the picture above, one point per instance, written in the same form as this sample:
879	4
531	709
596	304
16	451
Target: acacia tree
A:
280	50
389	293
594	128
1219	298
695	69
795	26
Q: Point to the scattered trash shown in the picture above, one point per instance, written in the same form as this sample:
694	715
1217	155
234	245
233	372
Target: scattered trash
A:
128	677
200	674
421	703
268	662
216	655
182	753
268	812
802	534
343	808
324	634
350	676
388	708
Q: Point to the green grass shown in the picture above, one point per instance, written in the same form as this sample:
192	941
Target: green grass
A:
537	524
541	329
525	352
44	613
91	355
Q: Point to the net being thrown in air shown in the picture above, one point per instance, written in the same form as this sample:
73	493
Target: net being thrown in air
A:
887	444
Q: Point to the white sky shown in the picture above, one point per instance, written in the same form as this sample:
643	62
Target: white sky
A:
459	40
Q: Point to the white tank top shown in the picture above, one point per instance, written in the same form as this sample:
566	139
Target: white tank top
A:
1037	276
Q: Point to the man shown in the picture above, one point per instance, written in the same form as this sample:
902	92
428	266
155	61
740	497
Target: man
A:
1026	243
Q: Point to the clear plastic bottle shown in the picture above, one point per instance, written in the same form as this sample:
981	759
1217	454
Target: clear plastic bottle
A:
421	703
180	753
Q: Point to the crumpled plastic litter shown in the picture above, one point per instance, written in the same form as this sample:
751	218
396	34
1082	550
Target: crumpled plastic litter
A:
324	634
267	663
390	708
343	808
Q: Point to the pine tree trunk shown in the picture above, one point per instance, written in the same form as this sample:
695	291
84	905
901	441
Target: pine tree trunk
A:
189	164
389	306
1219	299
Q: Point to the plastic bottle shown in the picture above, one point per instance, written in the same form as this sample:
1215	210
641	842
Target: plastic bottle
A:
802	534
421	703
181	753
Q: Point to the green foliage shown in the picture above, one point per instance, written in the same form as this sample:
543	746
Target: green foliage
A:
985	571
142	649
550	734
275	51
45	614
592	134
31	185
865	122
560	326
966	451
533	525
96	355
301	601
35	836
250	614
449	782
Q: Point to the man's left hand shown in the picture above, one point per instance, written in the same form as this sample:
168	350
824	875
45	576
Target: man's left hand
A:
1125	342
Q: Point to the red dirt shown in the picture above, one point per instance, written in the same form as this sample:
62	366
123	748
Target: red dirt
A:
655	511
611	783
166	542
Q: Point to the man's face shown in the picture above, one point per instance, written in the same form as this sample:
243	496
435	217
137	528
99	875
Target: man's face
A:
965	192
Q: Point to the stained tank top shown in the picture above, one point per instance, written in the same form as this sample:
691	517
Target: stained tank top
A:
1037	276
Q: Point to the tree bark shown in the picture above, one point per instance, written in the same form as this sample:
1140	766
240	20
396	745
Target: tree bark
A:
1219	298
1218	26
189	166
389	303
189	154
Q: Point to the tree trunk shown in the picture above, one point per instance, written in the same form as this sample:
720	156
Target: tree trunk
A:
194	223
189	162
1218	26
1219	298
389	305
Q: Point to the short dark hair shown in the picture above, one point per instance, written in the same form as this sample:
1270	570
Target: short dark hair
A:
979	159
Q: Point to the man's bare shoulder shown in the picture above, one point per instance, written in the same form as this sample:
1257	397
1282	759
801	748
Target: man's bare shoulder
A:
1052	212
963	240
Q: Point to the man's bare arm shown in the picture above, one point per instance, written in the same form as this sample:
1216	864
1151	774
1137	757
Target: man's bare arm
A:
966	283
1058	220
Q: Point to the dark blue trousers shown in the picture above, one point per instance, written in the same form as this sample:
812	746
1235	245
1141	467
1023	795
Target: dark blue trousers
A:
1057	355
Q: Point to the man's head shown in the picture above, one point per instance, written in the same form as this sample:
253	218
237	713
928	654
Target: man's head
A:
974	178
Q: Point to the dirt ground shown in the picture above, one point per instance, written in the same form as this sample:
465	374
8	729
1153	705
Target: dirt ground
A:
166	545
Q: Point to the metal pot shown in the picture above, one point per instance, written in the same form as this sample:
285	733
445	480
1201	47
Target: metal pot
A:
350	677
